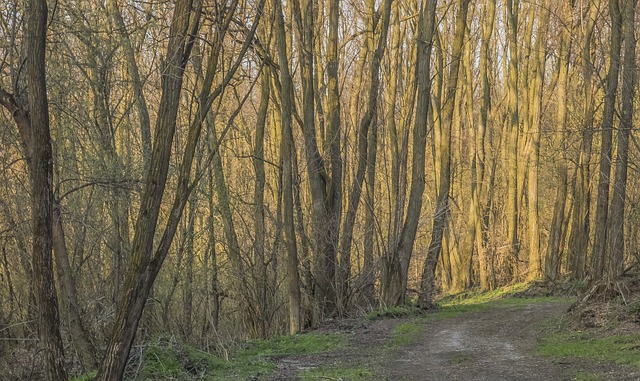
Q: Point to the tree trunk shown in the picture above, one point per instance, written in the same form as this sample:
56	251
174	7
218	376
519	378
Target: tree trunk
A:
262	282
558	224
295	309
427	282
367	128
479	144
617	208
536	93
395	262
41	176
512	136
78	334
579	237
598	264
144	266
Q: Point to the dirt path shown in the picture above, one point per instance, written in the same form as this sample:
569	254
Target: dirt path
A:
495	344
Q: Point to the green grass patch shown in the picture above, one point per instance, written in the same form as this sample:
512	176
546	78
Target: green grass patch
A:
166	358
619	349
406	333
337	373
295	345
480	297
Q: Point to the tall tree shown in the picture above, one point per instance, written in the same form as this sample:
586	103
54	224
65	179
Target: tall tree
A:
598	257
513	133
145	264
396	260
443	149
32	120
558	223
580	219
617	208
325	185
286	94
367	130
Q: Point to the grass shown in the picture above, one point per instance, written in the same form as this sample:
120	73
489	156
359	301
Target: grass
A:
406	333
619	349
167	359
337	373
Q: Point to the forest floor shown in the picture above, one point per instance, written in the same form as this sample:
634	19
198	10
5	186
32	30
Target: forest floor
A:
504	339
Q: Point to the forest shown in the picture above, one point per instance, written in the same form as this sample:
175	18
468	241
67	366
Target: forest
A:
222	170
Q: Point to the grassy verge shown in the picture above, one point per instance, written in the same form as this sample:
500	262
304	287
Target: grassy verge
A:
166	358
564	342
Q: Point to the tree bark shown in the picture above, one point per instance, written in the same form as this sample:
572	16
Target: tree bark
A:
581	210
617	207
440	217
367	128
598	257
144	266
395	262
41	176
295	309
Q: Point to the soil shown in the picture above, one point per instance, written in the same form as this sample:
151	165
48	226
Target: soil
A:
494	344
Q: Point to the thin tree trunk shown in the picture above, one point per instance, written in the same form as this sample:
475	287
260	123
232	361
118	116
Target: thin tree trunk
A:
598	258
427	282
394	272
558	223
617	208
295	309
262	282
512	135
77	332
368	126
479	144
536	93
580	220
144	266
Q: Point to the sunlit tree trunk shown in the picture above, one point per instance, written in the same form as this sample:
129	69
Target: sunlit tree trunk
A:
512	135
394	274
535	98
489	12
367	132
558	224
440	217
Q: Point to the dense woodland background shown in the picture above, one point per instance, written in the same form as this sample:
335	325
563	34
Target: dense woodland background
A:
228	169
